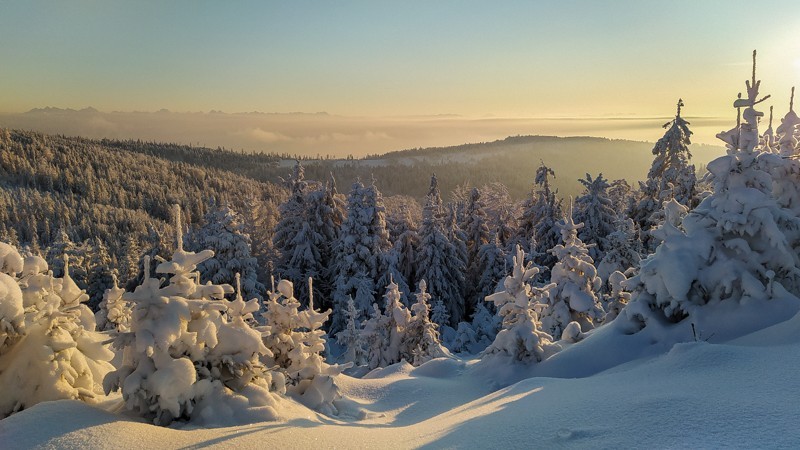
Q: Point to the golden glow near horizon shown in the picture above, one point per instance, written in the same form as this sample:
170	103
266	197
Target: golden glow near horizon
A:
574	59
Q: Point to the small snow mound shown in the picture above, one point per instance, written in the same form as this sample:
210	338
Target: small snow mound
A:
783	333
400	369
34	265
572	332
439	368
61	416
221	407
11	262
319	394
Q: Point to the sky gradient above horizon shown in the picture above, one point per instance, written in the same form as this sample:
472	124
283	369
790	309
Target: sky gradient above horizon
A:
511	59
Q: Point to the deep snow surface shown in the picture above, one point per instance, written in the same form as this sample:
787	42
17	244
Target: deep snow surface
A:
741	394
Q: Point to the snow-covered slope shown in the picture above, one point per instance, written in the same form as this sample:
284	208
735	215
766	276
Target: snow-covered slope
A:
738	394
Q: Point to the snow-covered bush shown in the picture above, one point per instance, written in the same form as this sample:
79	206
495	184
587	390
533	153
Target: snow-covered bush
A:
466	339
113	313
395	335
12	312
49	349
617	298
385	333
486	326
296	341
622	253
182	350
520	338
575	284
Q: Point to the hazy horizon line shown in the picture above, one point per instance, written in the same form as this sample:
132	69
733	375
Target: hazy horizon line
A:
446	115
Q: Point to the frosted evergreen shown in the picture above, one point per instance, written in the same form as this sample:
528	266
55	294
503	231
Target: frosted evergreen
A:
595	210
438	262
575	284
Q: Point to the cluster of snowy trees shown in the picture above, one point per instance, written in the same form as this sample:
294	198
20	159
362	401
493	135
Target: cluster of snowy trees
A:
186	351
464	248
351	244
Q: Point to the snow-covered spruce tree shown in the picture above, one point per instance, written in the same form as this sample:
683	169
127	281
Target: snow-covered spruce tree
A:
359	252
671	176
768	142
351	338
78	255
738	245
596	212
501	212
492	267
129	259
421	339
375	328
292	216
575	284
113	312
621	195
49	349
622	254
158	245
671	166
539	215
476	230
385	333
438	260
389	261
785	176
296	341
788	132
182	358
440	314
12	308
325	215
398	318
223	233
235	360
520	338
260	214
486	326
466	340
101	276
406	246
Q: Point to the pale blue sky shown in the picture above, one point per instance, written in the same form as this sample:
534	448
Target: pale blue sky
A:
377	58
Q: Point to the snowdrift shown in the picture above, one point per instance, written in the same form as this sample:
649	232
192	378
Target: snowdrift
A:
692	394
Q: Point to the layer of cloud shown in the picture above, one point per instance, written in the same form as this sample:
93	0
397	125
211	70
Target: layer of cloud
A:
337	136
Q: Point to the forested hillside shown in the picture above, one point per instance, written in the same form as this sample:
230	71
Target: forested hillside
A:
511	161
75	195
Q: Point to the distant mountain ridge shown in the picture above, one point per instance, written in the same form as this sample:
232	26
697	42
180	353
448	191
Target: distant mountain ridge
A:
511	161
